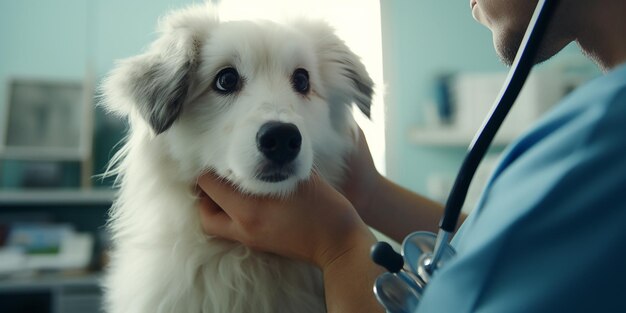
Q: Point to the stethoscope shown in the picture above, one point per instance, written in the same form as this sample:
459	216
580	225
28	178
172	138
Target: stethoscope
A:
423	253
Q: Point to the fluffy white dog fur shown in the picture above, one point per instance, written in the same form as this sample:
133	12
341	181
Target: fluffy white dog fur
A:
182	126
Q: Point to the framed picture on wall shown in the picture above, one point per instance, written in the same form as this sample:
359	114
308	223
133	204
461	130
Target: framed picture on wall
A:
45	120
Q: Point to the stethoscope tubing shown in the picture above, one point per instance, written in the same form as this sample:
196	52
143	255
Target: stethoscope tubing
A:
520	69
400	289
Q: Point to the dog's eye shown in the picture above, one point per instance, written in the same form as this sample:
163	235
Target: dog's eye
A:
227	80
300	81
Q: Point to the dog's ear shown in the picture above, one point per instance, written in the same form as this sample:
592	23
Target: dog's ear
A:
156	83
343	74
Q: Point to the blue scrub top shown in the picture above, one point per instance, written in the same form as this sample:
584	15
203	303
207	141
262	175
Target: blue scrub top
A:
549	233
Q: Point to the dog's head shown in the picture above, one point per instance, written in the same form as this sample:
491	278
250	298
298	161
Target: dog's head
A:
259	103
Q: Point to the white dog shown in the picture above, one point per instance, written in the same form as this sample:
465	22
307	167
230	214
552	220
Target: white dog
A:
261	104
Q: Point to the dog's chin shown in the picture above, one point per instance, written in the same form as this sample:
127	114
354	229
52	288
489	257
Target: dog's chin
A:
271	173
267	181
275	184
273	177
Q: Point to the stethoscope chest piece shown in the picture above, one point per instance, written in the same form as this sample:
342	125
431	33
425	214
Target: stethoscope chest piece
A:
418	250
400	290
396	294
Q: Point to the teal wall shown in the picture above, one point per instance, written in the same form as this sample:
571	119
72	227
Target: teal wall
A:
42	39
421	39
60	38
65	40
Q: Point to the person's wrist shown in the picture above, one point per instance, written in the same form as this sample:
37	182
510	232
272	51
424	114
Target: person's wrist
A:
354	245
348	278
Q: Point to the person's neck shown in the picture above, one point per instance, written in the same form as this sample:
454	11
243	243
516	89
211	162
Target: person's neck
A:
602	34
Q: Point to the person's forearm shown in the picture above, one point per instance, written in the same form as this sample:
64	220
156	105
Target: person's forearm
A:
348	282
396	211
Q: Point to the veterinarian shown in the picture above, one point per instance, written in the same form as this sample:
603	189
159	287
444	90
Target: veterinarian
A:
549	234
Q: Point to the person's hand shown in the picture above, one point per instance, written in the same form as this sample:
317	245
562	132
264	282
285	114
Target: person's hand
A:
315	224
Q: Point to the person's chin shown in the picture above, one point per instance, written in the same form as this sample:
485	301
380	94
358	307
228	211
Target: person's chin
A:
506	45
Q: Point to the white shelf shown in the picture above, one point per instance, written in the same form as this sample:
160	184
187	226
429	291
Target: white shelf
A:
63	197
49	281
449	137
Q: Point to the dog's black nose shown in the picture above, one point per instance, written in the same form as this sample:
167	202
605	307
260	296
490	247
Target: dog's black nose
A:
279	142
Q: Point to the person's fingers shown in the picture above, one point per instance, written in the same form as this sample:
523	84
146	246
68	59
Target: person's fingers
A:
214	220
219	190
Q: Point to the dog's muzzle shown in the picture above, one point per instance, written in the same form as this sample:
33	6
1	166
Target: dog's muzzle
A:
280	144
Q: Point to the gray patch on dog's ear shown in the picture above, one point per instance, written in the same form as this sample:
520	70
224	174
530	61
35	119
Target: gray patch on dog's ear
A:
365	89
160	93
